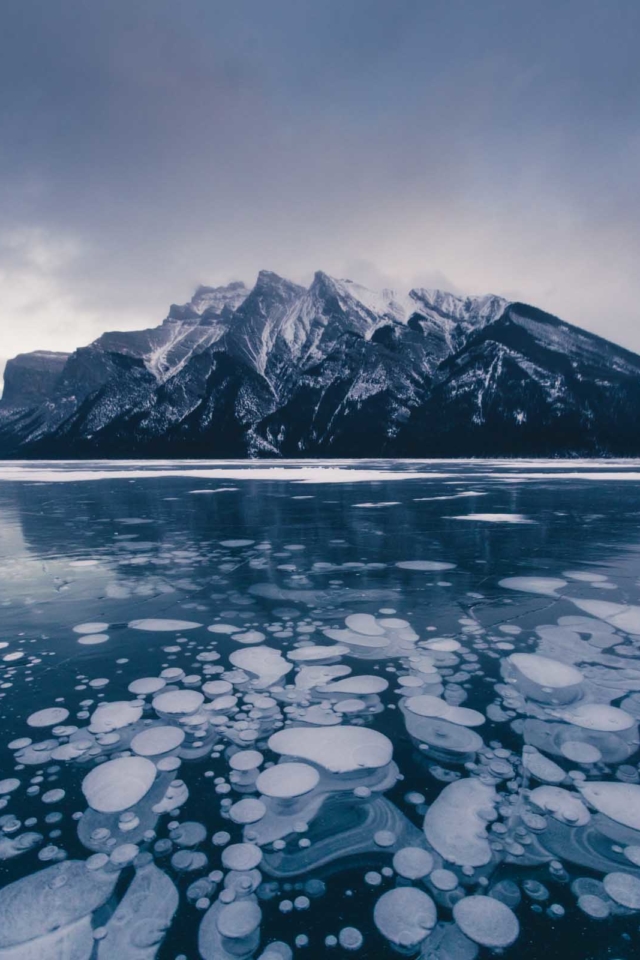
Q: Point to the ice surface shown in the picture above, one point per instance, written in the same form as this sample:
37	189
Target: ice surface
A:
494	518
140	470
287	762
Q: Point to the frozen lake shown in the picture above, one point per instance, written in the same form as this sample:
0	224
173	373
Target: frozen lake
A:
276	709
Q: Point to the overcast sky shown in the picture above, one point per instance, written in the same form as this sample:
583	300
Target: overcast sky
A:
482	146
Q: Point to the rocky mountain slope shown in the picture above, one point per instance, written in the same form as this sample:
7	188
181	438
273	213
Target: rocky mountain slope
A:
332	370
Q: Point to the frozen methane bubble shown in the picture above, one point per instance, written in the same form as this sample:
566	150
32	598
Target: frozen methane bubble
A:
542	767
579	752
430	566
249	810
48	718
309	677
8	785
599	716
547	586
456	822
405	916
317	652
442	644
618	801
249	637
561	804
361	686
178	703
443	736
91	628
163	626
137	927
487	921
350	938
93	639
239	920
622	616
430	706
364	623
594	906
241	856
157	740
277	951
113	716
412	863
544	679
49	900
118	784
338	749
264	663
146	685
624	889
287	780
245	760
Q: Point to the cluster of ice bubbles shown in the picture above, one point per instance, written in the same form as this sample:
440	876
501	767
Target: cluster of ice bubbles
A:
281	736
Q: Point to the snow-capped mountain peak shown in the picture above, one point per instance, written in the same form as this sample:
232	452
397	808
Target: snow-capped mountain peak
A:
211	302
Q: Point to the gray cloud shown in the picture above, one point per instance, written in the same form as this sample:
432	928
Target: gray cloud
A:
149	146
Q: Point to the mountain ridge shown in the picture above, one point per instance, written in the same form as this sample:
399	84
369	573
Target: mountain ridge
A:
334	369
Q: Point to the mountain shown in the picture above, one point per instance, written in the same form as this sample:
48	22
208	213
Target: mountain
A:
529	384
334	369
30	377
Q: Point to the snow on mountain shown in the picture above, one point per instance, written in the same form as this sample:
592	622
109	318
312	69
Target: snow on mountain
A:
334	369
258	322
188	329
